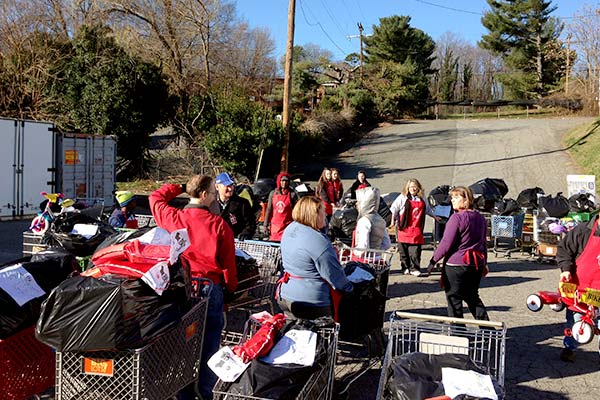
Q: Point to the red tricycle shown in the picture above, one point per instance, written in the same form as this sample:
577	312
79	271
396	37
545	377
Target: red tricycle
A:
585	302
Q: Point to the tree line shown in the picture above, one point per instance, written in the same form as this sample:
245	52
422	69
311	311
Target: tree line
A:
130	67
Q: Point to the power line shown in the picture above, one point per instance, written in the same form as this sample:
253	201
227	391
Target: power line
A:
320	27
332	18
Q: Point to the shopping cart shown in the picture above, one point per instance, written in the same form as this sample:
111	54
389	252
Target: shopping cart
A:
483	341
156	371
26	366
358	357
268	258
507	227
318	387
546	243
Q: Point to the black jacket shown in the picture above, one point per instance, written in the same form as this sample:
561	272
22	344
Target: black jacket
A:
572	245
238	213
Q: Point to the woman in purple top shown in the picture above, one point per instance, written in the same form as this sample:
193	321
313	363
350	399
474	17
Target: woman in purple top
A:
463	248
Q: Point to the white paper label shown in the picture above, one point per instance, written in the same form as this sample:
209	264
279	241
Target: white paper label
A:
156	236
85	230
157	277
20	284
295	347
458	381
226	365
180	241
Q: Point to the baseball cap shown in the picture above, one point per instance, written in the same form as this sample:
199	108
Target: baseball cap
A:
224	179
285	178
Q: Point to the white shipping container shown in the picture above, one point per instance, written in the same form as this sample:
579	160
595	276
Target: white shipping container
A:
27	153
37	159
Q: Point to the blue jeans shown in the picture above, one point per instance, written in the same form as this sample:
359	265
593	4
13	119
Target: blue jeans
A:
212	343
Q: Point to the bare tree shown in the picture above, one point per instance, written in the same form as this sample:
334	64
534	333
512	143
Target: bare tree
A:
584	32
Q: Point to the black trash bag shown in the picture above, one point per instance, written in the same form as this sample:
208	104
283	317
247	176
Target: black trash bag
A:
343	222
384	211
419	375
59	234
557	207
361	311
262	187
48	272
283	381
247	272
439	196
582	202
506	207
110	313
487	191
528	198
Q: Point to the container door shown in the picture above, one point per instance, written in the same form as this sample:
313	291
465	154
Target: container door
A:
36	165
101	171
72	165
27	152
8	201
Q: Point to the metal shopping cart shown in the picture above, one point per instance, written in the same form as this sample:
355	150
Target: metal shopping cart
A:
546	243
509	227
268	257
358	357
156	371
483	341
26	366
318	387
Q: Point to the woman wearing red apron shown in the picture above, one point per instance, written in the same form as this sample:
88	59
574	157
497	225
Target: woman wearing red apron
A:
279	208
577	258
408	215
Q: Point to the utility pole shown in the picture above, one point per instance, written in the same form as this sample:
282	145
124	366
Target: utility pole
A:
360	34
287	85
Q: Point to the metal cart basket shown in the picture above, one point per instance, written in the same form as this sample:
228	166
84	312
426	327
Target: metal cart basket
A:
379	260
318	387
507	227
268	258
156	371
483	341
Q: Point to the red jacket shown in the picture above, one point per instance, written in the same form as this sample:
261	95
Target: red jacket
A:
212	250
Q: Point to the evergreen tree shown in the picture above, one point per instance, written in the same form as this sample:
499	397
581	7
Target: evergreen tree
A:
523	33
399	59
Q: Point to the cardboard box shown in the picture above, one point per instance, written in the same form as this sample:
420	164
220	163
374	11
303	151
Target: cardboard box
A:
547	250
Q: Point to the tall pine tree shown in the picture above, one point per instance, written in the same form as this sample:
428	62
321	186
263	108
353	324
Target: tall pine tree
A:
524	34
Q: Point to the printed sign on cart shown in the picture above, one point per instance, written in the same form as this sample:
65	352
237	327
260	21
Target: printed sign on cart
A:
20	284
581	184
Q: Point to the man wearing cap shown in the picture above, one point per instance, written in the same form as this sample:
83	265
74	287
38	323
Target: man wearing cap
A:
278	214
123	217
235	210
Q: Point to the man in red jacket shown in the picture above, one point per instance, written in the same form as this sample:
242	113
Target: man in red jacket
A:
211	255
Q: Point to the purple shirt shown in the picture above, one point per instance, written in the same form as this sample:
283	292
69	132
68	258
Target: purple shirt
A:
465	230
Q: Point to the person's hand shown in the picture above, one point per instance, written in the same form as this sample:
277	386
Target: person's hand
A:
565	276
242	236
486	270
437	218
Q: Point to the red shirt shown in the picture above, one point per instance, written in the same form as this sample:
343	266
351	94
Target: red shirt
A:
212	250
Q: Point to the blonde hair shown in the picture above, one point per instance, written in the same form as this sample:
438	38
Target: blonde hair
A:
416	182
307	210
466	194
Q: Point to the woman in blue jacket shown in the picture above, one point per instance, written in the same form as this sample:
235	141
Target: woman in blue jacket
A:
310	264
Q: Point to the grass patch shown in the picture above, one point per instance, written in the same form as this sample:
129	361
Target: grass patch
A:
147	186
583	144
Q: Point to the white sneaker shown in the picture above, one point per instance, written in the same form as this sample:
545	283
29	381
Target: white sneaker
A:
406	272
415	273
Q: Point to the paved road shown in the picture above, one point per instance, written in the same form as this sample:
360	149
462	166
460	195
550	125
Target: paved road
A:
525	153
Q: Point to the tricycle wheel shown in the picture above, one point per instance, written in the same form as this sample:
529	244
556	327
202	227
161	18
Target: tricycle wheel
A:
558	307
582	332
534	303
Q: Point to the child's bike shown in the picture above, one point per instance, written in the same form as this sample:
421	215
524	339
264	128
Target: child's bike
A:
41	223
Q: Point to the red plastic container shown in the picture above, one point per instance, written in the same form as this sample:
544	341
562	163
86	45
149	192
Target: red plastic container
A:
26	366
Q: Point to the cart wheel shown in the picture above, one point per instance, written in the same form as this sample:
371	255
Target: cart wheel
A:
534	303
582	332
558	307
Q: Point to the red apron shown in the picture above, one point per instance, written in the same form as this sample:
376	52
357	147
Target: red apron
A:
413	233
131	222
588	270
282	215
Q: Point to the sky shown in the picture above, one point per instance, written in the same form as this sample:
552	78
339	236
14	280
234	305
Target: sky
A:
331	24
